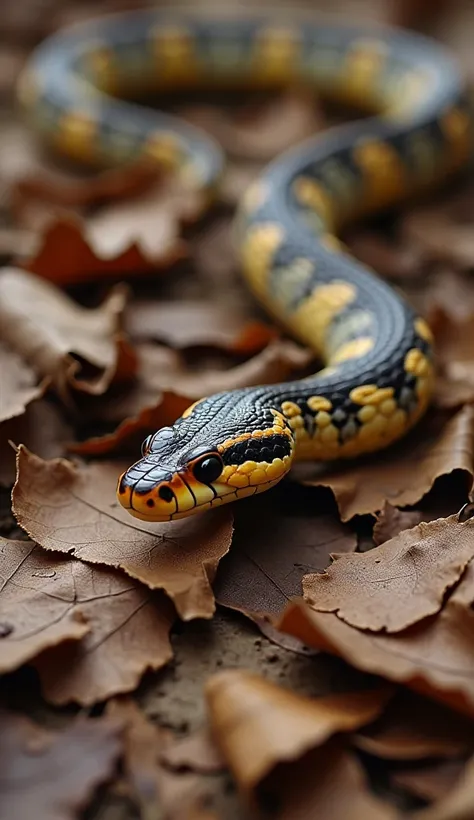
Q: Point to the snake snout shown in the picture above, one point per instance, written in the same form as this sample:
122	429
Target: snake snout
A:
146	492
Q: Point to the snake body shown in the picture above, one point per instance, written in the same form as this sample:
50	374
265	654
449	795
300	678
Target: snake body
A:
378	374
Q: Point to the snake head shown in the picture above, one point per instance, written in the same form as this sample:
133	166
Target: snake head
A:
187	469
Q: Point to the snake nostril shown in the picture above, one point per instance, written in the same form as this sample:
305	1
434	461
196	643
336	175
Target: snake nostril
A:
150	503
166	493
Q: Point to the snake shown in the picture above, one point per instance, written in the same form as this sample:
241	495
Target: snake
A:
82	90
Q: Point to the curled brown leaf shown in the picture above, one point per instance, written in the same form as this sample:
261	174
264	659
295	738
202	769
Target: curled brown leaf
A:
20	384
399	583
56	336
433	657
258	725
73	509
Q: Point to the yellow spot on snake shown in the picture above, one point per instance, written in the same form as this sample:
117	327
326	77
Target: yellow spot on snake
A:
322	419
175	55
370	394
361	70
384	173
258	249
310	193
366	413
102	65
290	409
276	55
163	148
423	330
296	422
316	403
77	136
312	318
416	362
353	349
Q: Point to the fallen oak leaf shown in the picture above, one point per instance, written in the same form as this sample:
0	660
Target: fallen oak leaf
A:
398	583
391	521
258	725
405	473
32	618
74	509
157	791
20	384
197	323
54	775
57	334
262	573
415	728
114	627
434	657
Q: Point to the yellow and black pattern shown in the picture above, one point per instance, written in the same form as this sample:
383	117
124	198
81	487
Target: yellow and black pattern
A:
378	377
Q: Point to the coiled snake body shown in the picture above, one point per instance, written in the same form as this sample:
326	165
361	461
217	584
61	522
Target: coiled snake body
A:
378	377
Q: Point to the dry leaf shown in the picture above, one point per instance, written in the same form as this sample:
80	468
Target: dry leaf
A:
414	728
33	616
257	724
392	521
260	131
42	428
277	540
47	600
157	791
73	509
19	384
434	657
196	752
166	388
53	775
58	336
197	323
403	474
399	583
429	782
458	802
138	234
328	783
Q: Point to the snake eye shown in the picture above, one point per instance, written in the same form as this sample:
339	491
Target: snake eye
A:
208	469
146	445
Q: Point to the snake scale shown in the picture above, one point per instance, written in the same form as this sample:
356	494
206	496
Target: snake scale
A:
78	91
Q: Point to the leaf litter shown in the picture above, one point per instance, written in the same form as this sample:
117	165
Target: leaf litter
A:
96	600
